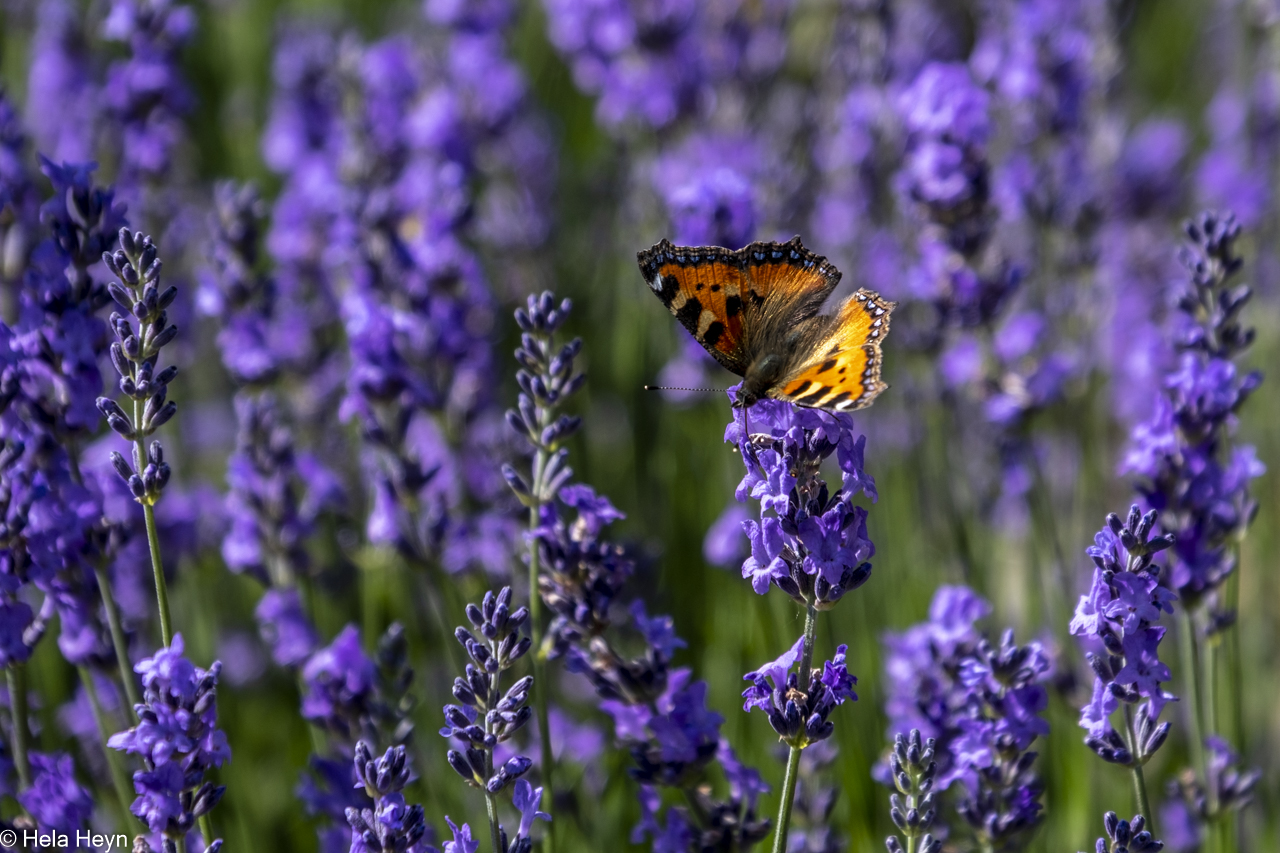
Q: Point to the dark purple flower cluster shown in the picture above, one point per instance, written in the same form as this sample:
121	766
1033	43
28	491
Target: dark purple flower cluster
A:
809	542
1127	836
913	770
135	355
947	174
349	695
391	826
982	706
276	494
547	378
1193	805
267	325
146	94
55	799
178	740
55	535
379	150
658	713
1116	623
1188	473
487	715
798	709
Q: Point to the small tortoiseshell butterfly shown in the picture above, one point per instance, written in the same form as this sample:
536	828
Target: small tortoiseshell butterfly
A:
756	311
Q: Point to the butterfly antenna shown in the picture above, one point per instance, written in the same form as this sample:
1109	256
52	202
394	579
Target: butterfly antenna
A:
673	388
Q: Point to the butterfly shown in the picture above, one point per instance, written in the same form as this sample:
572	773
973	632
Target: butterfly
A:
756	311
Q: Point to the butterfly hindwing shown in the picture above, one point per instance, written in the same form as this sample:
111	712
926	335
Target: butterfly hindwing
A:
704	287
843	371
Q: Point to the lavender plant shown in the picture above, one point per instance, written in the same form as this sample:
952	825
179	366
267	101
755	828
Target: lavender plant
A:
179	742
1127	836
547	379
1194	481
812	545
913	771
982	705
135	355
487	715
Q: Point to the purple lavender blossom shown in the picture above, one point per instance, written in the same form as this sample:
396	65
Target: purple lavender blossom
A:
808	542
644	63
61	73
798	710
276	495
1124	836
913	769
980	703
390	825
285	627
339	681
178	740
146	93
1187	473
1115	623
55	799
712	190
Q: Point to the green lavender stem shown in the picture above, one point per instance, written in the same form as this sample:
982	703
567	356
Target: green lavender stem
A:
1139	779
153	535
793	757
117	639
1191	670
490	804
16	676
541	458
119	781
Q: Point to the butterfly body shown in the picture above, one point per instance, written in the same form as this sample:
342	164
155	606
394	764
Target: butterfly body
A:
757	311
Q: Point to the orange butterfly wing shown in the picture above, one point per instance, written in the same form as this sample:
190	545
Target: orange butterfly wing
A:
843	372
787	280
705	288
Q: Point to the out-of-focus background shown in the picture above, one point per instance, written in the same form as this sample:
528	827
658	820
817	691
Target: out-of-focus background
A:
539	145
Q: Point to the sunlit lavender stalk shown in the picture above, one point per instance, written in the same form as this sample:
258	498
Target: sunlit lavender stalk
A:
135	354
546	380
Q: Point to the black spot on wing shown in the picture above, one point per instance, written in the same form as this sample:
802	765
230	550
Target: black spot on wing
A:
689	314
714	331
827	365
732	306
670	287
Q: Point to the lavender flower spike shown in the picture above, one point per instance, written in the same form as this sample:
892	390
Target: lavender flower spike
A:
391	825
178	740
1127	836
1116	625
913	771
135	353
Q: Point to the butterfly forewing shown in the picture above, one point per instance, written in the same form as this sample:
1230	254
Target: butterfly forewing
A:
842	372
788	282
704	287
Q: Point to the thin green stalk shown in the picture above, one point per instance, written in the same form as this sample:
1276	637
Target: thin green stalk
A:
16	676
157	570
1139	779
119	781
206	829
793	757
153	536
490	804
1191	672
117	639
539	681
